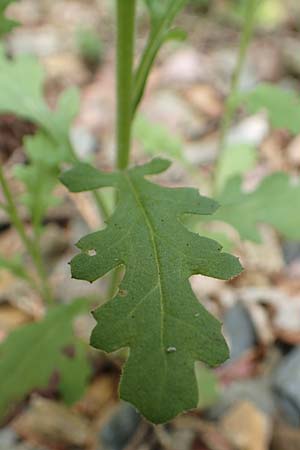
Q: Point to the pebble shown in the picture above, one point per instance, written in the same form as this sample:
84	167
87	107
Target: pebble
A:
9	440
84	142
50	422
239	331
257	391
116	434
291	251
286	384
247	428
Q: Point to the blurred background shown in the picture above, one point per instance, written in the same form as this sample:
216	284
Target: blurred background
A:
252	402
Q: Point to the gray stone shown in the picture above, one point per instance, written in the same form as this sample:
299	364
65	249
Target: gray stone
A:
286	384
291	251
84	142
257	391
239	331
9	440
119	430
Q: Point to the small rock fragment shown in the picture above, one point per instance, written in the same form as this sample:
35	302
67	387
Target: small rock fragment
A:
286	385
256	391
239	330
247	428
116	434
50	423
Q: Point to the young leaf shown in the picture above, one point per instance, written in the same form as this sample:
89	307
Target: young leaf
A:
163	14
155	313
281	105
274	202
30	354
6	25
21	93
38	197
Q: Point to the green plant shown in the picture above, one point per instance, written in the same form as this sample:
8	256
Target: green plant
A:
272	202
30	354
155	312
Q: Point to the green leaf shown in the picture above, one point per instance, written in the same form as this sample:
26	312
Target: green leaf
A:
274	202
156	138
21	93
281	105
74	372
30	354
155	313
38	197
163	14
6	25
236	159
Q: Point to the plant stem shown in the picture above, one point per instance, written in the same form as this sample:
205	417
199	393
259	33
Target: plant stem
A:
157	36
247	33
31	247
125	57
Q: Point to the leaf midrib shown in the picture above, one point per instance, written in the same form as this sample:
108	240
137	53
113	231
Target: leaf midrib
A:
152	236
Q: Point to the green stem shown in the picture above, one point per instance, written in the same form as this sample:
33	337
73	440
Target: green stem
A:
31	247
125	57
247	33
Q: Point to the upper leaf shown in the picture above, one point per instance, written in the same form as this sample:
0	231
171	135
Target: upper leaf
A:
163	14
155	313
275	202
30	354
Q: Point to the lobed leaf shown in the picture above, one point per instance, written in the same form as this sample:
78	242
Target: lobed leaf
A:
274	202
155	313
21	93
281	105
30	354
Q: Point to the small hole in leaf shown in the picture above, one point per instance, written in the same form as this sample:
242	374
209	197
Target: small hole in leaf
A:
123	293
92	252
171	349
